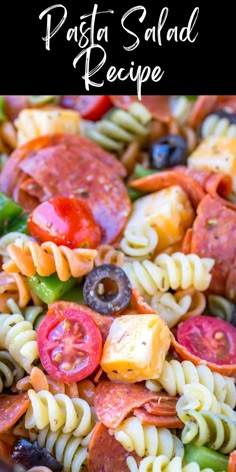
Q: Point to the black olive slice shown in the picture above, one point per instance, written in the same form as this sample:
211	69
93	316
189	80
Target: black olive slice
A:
168	151
107	289
31	454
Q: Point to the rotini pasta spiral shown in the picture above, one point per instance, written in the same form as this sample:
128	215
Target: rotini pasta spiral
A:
107	254
48	258
119	127
197	397
69	450
147	439
170	310
163	464
10	371
13	286
19	338
34	314
14	237
59	411
180	108
220	307
215	125
217	432
139	240
175	271
176	374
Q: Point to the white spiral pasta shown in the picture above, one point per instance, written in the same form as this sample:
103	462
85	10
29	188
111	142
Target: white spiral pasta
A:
58	411
162	463
10	371
175	375
69	450
147	439
216	431
139	240
19	338
215	125
180	107
197	397
170	310
175	272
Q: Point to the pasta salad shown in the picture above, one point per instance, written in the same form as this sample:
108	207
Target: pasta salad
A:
118	283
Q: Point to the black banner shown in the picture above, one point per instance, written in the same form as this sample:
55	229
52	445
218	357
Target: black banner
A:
142	47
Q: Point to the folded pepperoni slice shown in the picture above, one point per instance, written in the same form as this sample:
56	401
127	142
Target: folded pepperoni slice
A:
214	235
106	454
158	105
158	420
114	401
12	407
67	165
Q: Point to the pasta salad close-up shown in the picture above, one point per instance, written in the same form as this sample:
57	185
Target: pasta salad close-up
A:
118	283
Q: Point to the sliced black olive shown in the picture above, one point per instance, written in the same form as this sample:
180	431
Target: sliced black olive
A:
30	454
107	289
169	151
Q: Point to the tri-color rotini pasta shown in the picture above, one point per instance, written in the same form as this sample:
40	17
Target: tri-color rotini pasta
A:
117	323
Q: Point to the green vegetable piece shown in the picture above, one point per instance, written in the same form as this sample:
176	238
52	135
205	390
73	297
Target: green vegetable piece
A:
192	98
9	210
75	295
43	99
140	171
206	457
134	194
50	288
2	114
19	225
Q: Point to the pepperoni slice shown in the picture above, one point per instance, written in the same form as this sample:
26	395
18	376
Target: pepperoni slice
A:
12	407
214	235
158	105
69	165
156	420
114	401
204	105
106	454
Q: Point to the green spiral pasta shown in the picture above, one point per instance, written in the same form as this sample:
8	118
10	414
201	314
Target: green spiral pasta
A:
163	464
69	450
147	439
220	307
119	127
217	432
59	411
10	371
34	314
175	375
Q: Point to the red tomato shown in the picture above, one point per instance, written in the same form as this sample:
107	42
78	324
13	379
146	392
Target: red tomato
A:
211	339
90	107
66	221
69	344
232	462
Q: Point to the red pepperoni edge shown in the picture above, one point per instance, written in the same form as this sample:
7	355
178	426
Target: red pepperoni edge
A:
12	407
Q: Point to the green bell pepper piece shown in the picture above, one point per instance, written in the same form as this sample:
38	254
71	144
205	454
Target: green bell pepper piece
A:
206	457
134	194
9	210
75	295
19	225
50	288
140	171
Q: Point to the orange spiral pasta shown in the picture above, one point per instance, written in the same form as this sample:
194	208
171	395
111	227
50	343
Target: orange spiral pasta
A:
107	254
13	286
47	258
198	304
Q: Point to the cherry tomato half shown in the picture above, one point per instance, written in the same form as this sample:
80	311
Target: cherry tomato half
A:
232	462
90	107
69	344
208	338
66	221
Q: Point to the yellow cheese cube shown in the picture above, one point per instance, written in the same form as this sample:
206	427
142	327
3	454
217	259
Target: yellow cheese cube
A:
216	154
168	211
135	348
34	122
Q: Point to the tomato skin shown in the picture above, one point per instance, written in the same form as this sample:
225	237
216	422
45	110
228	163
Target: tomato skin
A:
90	107
69	344
209	338
66	221
232	462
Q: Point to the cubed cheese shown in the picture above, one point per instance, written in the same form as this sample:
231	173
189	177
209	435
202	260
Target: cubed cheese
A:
34	122
135	348
216	154
168	211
